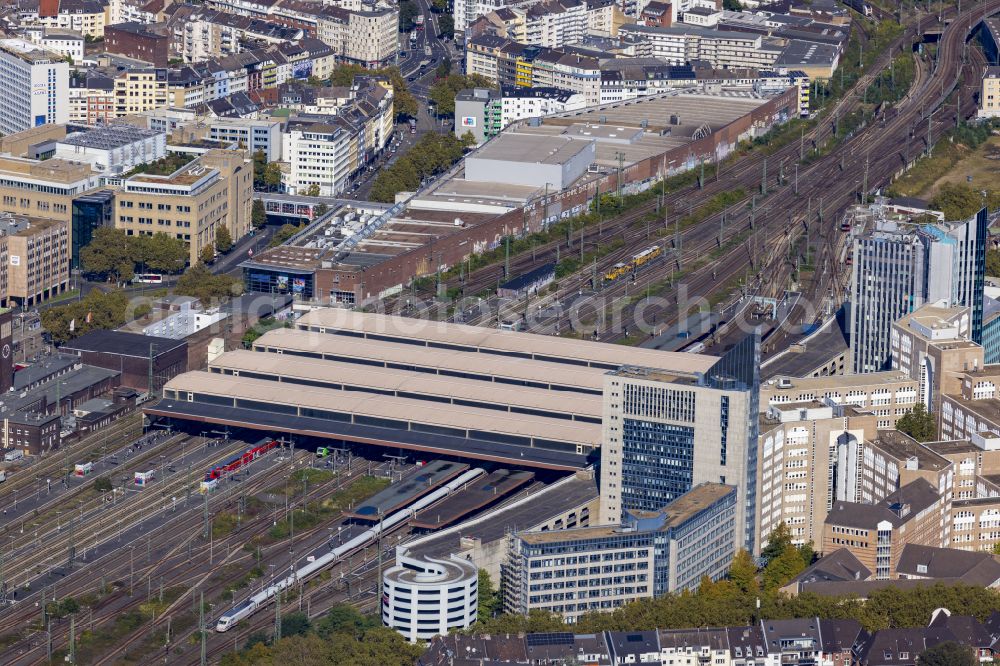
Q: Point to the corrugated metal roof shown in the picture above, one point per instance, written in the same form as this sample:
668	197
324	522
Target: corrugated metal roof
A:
388	407
409	381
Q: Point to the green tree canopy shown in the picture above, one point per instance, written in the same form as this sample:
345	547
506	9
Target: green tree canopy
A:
446	26
779	539
223	240
115	256
489	597
918	423
96	310
344	619
445	88
202	284
283	234
207	254
993	263
160	253
432	154
312	190
743	573
948	653
295	623
258	216
957	201
408	12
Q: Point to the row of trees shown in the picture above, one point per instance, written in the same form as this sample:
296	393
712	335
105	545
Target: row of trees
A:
445	88
733	602
114	256
430	155
206	286
343	637
96	310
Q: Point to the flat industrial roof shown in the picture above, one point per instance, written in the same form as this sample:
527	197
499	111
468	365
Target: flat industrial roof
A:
533	149
347	376
485	365
122	343
479	493
388	407
481	339
417	483
552	500
836	381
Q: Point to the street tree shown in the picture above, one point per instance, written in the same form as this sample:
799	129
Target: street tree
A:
223	240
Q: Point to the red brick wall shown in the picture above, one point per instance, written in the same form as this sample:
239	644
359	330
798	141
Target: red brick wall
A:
453	249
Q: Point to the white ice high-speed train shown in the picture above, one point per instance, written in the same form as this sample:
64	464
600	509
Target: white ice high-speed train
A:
248	607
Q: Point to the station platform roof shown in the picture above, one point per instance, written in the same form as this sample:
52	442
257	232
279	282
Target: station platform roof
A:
416	484
488	341
448	362
478	494
345	376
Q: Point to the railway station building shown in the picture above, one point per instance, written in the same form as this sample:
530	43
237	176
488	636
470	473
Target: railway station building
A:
659	422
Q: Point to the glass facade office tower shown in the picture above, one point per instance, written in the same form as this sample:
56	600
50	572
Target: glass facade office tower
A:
899	267
666	432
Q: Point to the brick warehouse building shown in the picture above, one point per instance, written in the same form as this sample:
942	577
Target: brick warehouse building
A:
144	361
371	279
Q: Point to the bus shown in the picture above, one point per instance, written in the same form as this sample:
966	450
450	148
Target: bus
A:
413	39
419	22
413	125
148	278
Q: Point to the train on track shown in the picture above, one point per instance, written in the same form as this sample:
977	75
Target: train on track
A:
621	269
251	605
213	475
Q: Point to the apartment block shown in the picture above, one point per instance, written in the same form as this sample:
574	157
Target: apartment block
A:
214	191
326	151
932	345
575	571
35	84
803	455
663	434
141	90
684	44
876	533
511	63
91	99
88	17
147	42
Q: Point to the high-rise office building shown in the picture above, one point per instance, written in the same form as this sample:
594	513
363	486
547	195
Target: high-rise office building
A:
35	84
666	432
900	266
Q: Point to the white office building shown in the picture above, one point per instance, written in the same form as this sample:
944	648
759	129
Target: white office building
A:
424	597
318	153
114	149
35	86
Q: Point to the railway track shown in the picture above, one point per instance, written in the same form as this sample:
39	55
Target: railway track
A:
182	557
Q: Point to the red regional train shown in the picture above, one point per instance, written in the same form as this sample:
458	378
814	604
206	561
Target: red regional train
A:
241	460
